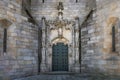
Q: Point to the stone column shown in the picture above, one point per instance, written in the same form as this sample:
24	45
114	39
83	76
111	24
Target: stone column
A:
48	49
77	65
50	57
72	48
43	63
70	56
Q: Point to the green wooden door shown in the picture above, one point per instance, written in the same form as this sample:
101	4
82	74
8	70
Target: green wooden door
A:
60	57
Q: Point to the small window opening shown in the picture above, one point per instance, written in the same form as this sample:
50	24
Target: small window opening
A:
113	39
5	41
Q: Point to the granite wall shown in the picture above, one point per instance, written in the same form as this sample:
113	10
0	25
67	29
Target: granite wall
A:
20	59
97	41
96	21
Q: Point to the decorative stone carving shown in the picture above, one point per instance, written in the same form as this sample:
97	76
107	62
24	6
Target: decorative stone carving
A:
60	30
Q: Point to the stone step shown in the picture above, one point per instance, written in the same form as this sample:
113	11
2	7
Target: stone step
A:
54	77
59	72
82	76
57	76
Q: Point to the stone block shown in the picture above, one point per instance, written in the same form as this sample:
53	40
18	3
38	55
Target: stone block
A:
10	6
91	31
27	58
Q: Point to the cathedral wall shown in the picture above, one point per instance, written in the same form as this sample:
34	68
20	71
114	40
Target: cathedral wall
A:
48	9
107	17
90	38
72	9
20	58
97	50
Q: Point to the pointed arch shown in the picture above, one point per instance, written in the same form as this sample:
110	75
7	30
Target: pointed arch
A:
57	40
110	31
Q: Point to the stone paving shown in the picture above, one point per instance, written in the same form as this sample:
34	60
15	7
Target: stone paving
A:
70	77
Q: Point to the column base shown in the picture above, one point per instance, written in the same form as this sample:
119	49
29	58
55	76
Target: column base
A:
44	67
77	68
74	68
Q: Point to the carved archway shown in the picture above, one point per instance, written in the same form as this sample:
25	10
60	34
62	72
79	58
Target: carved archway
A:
60	40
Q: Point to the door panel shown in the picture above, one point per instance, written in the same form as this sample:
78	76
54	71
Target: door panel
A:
60	57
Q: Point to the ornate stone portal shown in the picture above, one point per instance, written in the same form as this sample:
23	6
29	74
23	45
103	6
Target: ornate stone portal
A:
60	30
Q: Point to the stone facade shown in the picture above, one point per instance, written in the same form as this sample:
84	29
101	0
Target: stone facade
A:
97	38
50	36
106	20
22	42
88	23
48	9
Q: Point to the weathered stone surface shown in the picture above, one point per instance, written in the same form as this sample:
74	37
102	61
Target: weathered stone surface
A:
21	58
21	45
72	77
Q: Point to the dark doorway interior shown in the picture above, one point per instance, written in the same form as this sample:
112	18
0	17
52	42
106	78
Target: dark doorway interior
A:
60	57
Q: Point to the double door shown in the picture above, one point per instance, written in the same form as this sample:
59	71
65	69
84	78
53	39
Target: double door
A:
60	57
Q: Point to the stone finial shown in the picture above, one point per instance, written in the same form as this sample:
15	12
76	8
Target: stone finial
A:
43	18
5	23
60	6
76	18
60	13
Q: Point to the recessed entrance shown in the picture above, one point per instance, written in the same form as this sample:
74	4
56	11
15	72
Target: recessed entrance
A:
60	57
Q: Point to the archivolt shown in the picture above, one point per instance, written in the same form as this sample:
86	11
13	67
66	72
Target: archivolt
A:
58	39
